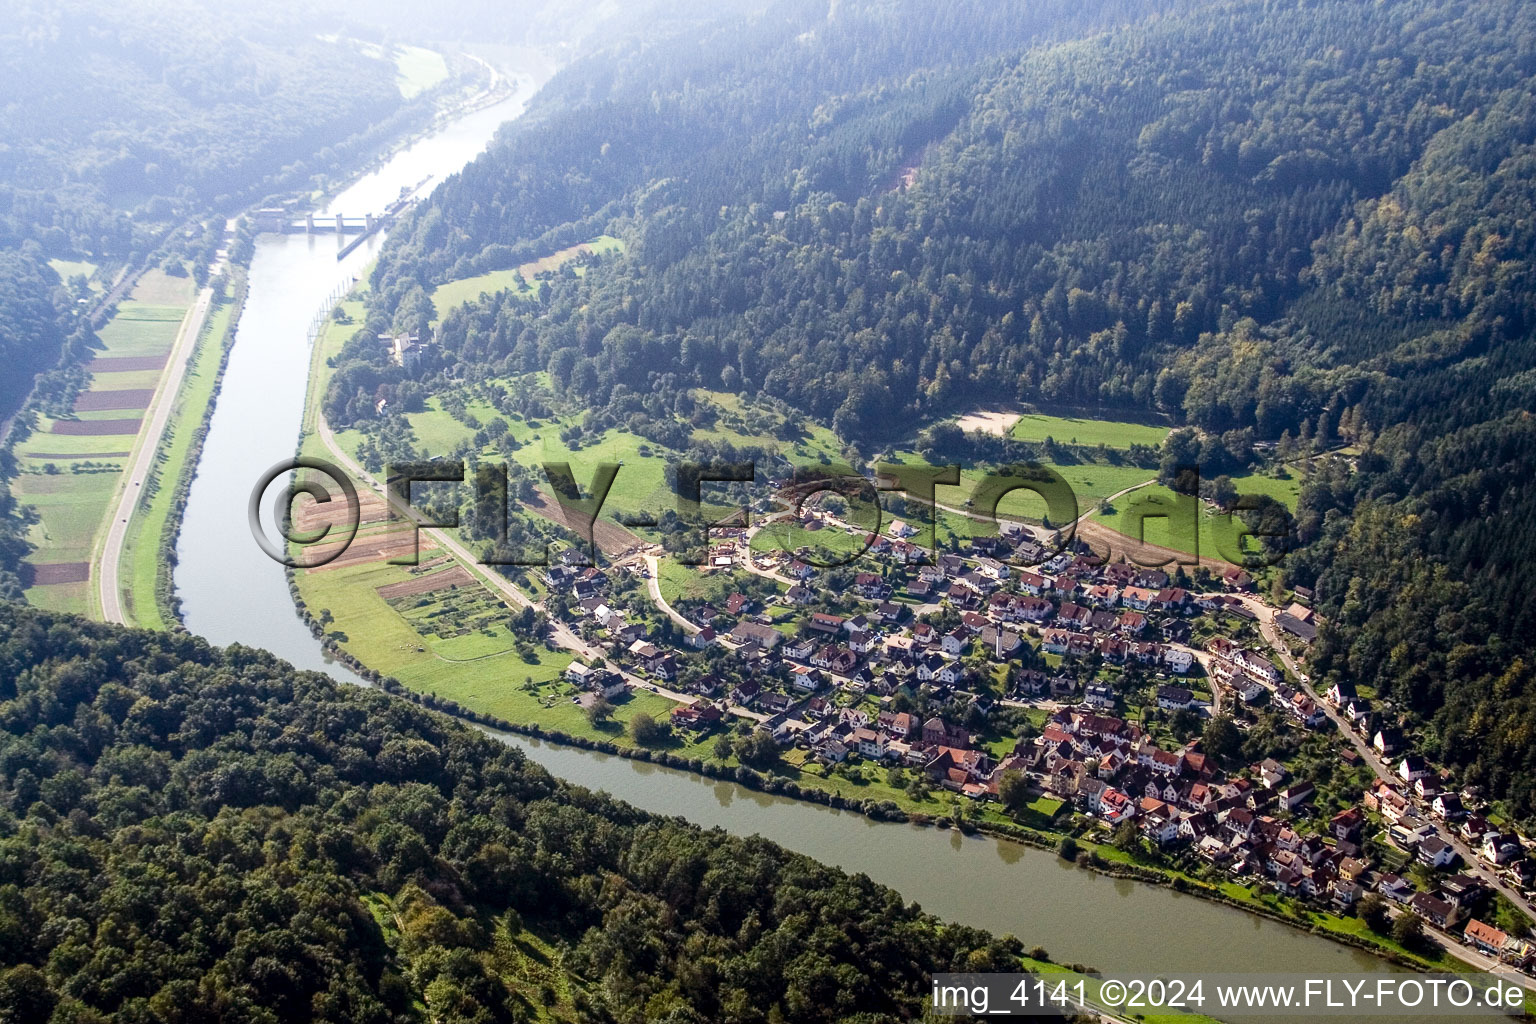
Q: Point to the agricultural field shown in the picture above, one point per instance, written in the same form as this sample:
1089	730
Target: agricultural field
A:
1076	430
69	468
419	638
522	281
478	663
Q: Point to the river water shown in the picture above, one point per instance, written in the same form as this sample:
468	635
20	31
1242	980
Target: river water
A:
232	593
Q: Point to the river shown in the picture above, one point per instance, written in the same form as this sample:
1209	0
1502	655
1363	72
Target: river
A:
232	593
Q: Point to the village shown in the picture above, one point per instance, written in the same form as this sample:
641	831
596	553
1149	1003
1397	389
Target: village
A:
1113	671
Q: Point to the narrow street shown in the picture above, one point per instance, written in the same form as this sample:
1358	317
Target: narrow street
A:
1472	864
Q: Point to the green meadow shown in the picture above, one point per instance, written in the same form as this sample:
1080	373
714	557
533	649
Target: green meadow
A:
521	281
1076	430
418	69
1163	519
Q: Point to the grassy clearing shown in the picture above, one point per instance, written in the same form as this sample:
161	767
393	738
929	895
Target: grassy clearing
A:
1075	430
686	583
142	566
1091	482
157	288
67	269
746	426
418	69
828	545
521	281
1213	533
640	483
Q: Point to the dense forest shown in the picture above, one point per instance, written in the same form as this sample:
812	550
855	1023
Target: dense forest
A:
1279	220
119	116
195	834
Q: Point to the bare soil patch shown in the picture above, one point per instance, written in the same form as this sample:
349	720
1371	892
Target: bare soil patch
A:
988	421
117	364
380	548
458	576
127	398
60	572
310	515
611	538
96	428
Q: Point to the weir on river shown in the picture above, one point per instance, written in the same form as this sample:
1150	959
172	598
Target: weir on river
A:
231	593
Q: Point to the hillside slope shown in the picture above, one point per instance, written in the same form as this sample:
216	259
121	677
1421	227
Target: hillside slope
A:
1306	223
193	834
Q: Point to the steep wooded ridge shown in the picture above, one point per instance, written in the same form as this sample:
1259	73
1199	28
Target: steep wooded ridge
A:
195	834
1274	218
115	114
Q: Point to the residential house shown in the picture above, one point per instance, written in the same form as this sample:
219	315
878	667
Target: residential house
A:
1099	695
1433	909
1395	888
823	622
755	632
1436	852
1172	698
1448	807
1387	741
1485	937
1178	660
1340	693
1295	795
1413	768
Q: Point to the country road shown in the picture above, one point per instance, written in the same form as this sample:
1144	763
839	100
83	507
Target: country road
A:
653	584
150	438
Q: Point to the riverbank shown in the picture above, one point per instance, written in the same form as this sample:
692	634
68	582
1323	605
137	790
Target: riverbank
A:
150	550
1097	858
342	609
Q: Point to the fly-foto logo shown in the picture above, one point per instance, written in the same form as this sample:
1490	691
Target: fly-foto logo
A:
1250	531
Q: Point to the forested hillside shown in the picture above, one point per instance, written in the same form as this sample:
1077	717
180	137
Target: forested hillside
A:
116	114
189	834
1268	220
